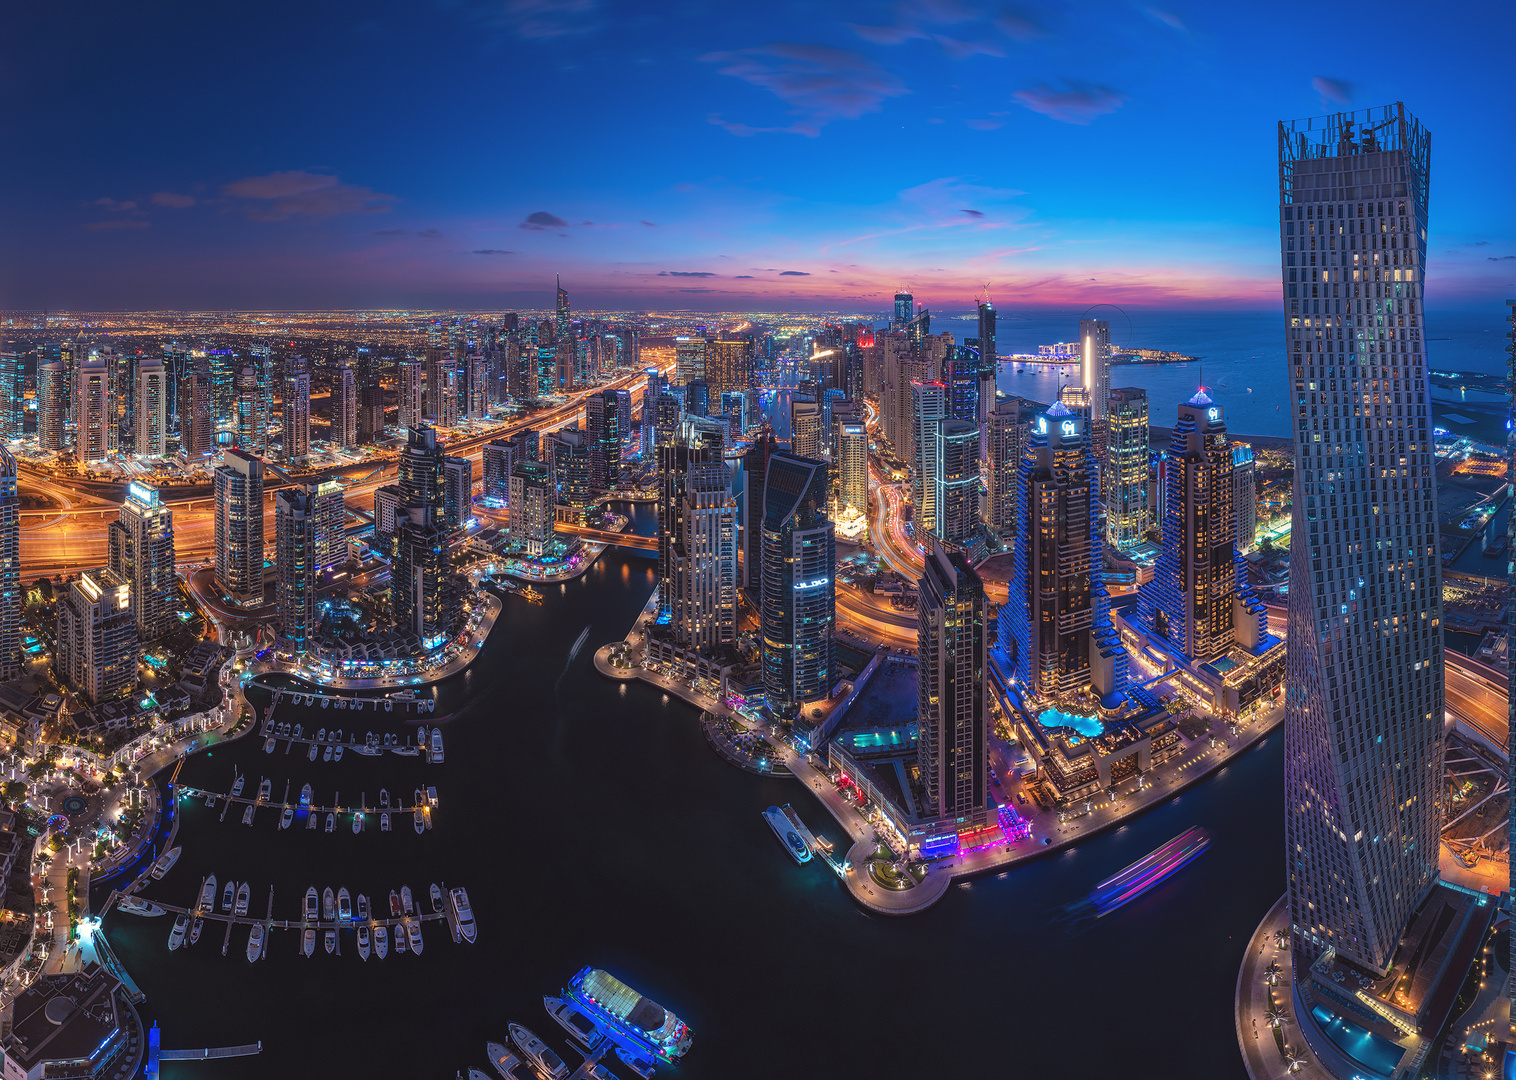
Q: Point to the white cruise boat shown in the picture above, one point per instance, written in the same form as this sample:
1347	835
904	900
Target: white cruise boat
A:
165	863
138	906
399	939
176	936
436	894
268	745
244	893
363	945
538	1053
507	1064
255	943
384	798
337	754
463	913
381	941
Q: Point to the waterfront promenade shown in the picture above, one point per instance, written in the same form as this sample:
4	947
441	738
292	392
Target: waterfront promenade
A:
1263	995
1049	833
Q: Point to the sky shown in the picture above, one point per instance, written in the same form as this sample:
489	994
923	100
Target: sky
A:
806	156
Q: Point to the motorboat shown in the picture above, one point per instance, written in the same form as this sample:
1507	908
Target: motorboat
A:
331	941
384	822
400	939
255	942
600	1072
413	935
463	913
325	704
337	754
310	820
420	799
395	909
473	1074
228	894
639	1065
328	904
138	906
268	745
363	944
331	821
237	785
357	823
367	751
310	755
381	941
384	798
165	863
176	936
308	941
420	821
363	912
344	904
207	894
436	746
244	893
264	789
286	817
431	797
581	1027
305	795
436	894
507	1064
405	900
247	815
326	754
311	902
405	751
321	735
297	730
538	1054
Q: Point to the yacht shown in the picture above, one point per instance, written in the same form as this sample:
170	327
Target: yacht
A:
381	941
436	746
326	754
600	1072
176	936
331	821
297	731
331	941
194	934
264	789
286	817
413	935
311	902
227	895
165	863
431	797
308	941
474	1074
419	821
399	939
464	914
237	785
138	906
788	835
363	907
255	943
207	894
384	823
436	894
310	820
581	1027
394	904
310	755
243	895
328	904
538	1054
405	900
507	1064
367	751
305	795
363	941
405	751
337	754
247	815
344	904
384	798
420	799
357	823
268	745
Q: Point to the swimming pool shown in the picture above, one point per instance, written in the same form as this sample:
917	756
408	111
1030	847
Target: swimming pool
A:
882	738
1088	726
1368	1049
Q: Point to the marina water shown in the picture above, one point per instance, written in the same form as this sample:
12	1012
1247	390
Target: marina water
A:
592	824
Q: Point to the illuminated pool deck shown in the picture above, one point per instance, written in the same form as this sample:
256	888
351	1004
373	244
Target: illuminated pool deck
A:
1088	726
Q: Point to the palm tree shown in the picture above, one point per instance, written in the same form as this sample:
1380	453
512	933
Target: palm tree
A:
1296	1064
1271	974
1275	1015
1281	939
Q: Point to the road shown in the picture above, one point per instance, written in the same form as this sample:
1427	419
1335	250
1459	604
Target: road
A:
73	538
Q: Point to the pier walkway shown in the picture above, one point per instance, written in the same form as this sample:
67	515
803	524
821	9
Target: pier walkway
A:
245	1050
361	808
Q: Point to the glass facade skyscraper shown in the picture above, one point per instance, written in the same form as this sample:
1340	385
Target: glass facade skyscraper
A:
1364	709
799	598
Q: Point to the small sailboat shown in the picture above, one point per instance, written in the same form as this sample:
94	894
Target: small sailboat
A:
243	894
381	941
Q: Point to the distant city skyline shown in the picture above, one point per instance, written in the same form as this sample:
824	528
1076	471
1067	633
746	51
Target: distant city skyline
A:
805	157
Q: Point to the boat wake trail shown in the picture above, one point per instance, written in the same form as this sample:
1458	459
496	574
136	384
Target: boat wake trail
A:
573	652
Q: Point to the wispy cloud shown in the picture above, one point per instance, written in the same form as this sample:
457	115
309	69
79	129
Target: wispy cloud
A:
115	206
542	221
1074	103
115	223
794	273
490	251
1333	91
278	196
172	199
650	224
819	84
1167	18
685	273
